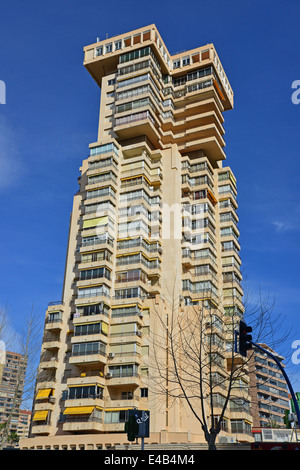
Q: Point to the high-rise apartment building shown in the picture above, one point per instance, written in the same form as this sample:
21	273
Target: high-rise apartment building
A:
11	389
269	392
24	423
154	220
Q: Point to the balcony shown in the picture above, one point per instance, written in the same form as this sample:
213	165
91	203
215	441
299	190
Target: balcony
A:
122	381
87	378
85	421
124	358
79	319
41	423
117	401
46	406
56	305
91	298
52	345
84	402
48	362
54	318
80	360
41	429
138	124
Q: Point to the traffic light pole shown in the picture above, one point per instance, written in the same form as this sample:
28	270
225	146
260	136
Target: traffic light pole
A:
285	376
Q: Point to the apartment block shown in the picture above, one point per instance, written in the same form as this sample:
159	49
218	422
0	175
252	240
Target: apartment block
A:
154	222
24	423
11	388
269	392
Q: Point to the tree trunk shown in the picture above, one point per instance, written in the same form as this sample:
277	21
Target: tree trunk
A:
212	443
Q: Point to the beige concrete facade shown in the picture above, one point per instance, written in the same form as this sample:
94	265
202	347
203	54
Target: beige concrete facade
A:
270	397
154	224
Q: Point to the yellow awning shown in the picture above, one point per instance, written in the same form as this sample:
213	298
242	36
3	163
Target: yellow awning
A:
212	196
95	222
44	393
104	327
91	304
40	415
78	410
135	177
130	254
118	409
126	305
85	385
219	90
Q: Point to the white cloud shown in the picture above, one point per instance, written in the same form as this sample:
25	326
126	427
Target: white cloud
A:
280	226
286	225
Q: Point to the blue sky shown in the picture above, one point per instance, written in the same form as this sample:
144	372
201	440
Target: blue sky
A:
51	115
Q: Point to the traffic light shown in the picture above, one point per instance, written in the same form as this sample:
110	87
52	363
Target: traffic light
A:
244	338
132	428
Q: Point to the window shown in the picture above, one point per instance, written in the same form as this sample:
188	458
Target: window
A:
118	45
215	422
105	238
108	48
98	51
125	311
126	395
100	208
102	163
106	148
94	291
83	349
144	392
129	293
108	191
135	54
94	274
54	317
240	426
96	256
123	329
124	349
94	309
116	416
90	329
90	391
126	370
130	276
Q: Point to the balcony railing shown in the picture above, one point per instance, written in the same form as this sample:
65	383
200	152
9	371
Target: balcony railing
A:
56	302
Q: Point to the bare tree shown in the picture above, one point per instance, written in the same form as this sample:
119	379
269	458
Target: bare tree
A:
203	368
28	346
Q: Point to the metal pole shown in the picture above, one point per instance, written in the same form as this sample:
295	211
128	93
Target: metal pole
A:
142	444
286	378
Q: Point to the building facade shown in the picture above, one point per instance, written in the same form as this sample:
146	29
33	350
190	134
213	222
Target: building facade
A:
154	221
24	423
11	389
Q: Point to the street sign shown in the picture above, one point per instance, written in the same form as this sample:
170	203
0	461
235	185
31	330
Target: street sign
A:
142	418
